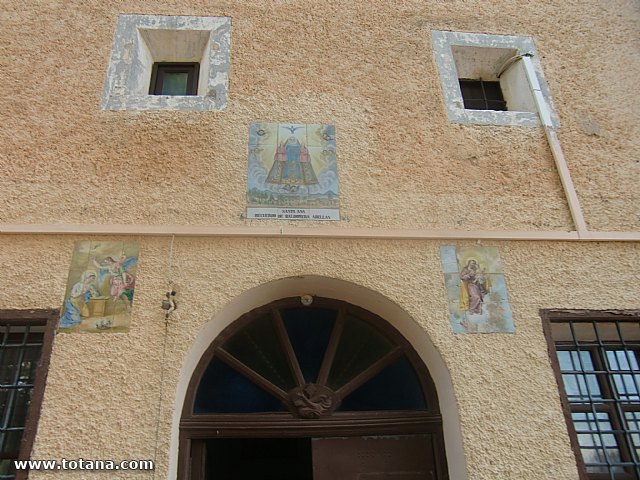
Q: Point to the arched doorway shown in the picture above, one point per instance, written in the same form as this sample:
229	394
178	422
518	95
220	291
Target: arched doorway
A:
323	391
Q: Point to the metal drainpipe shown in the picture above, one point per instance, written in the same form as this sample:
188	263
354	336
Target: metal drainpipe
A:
554	144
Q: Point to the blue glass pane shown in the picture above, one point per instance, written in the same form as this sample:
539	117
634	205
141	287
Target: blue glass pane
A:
627	383
598	442
309	331
395	388
633	427
175	83
223	390
579	386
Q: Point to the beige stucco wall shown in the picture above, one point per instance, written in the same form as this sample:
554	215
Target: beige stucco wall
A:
369	70
104	391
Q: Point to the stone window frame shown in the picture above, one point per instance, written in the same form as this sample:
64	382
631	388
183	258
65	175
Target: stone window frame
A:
128	75
443	41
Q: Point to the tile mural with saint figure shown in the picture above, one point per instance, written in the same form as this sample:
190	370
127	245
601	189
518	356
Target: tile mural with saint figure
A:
476	290
100	287
292	172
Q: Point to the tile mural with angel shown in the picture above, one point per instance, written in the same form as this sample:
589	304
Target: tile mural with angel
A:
476	290
100	287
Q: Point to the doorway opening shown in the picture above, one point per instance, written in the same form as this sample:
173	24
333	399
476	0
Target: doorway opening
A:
313	392
264	458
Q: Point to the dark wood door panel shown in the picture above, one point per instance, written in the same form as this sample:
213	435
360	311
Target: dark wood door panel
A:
393	476
402	457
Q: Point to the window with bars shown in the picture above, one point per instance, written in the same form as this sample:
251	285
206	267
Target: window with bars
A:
482	95
484	83
25	347
597	361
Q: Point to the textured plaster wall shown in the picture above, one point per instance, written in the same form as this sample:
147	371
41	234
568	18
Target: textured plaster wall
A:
369	69
104	390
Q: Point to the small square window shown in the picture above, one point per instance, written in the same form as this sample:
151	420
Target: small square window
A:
174	78
481	95
168	63
484	81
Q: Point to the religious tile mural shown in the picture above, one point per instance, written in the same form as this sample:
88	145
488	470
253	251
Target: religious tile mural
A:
476	290
292	172
100	287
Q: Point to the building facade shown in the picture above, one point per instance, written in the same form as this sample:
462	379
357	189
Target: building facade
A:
439	269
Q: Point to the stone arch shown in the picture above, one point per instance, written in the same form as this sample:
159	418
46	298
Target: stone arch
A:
344	291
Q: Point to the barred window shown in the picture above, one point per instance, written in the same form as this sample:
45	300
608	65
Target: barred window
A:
25	347
597	362
504	97
482	95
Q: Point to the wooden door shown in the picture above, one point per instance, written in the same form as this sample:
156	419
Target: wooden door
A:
402	457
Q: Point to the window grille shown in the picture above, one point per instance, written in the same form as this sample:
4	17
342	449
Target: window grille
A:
482	95
597	362
25	347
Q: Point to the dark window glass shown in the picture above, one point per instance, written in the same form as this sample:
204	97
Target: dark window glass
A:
174	79
223	390
259	347
360	345
19	353
230	384
25	346
600	371
481	95
395	388
309	331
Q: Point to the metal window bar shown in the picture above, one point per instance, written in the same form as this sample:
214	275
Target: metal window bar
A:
620	402
630	353
597	439
633	373
484	94
493	100
18	373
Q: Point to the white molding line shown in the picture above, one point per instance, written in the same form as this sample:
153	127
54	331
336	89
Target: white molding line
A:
313	232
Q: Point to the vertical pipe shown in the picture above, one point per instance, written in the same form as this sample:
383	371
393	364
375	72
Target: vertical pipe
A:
556	149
